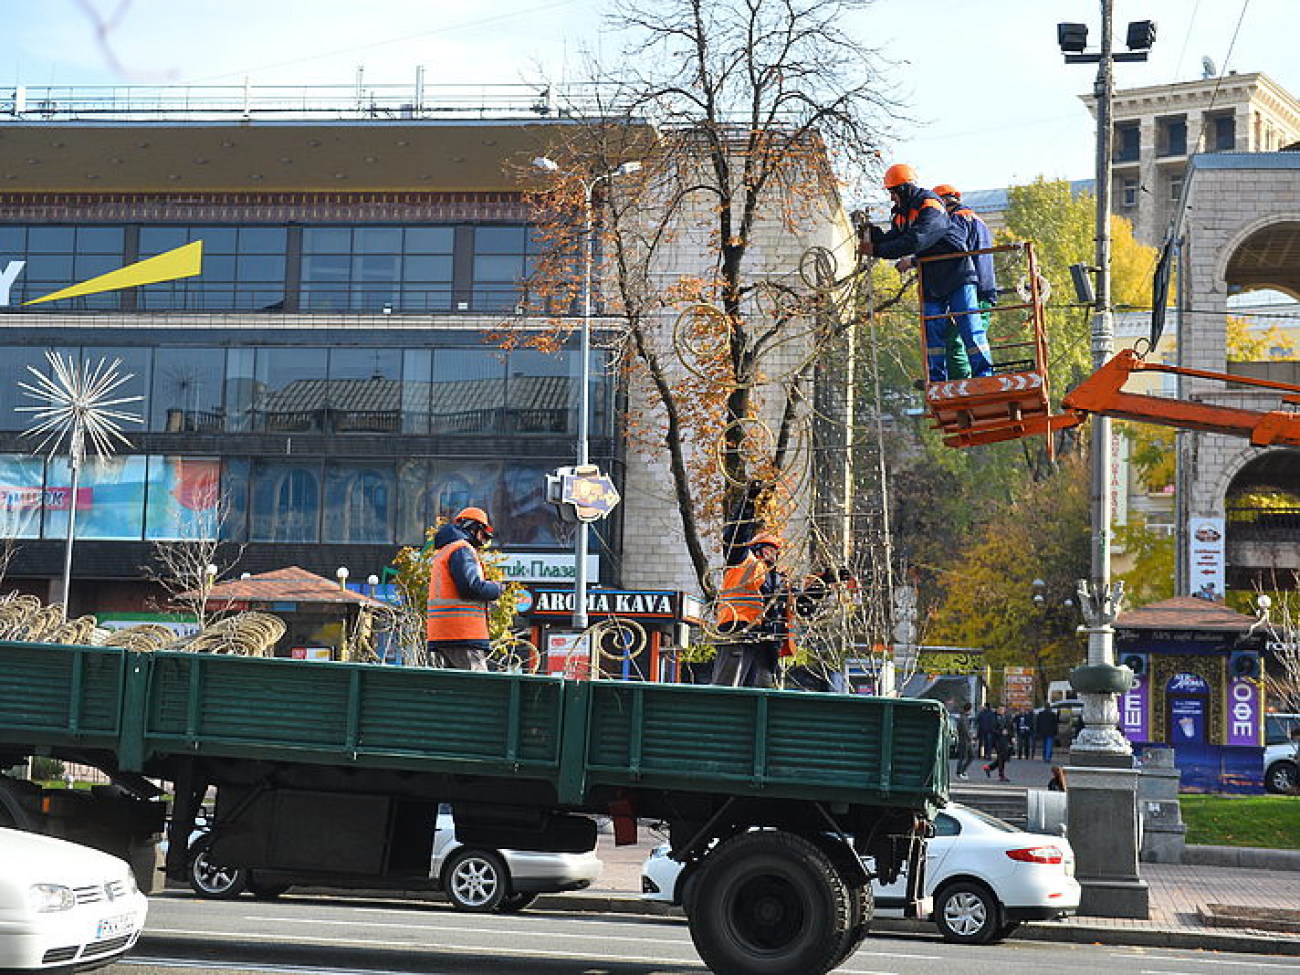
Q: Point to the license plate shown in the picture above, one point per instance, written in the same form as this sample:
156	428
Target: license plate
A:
113	927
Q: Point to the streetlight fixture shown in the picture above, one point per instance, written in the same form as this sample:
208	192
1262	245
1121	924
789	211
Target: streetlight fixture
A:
1103	784
341	573
589	184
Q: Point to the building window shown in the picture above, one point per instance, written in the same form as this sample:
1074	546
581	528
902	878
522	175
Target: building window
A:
1173	136
359	503
368	269
110	498
1127	142
22	495
243	269
285	502
467	394
187	391
1223	133
1175	188
1128	194
502	259
58	257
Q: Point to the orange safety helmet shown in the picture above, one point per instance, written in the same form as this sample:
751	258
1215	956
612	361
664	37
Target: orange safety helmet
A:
764	538
898	174
947	189
476	515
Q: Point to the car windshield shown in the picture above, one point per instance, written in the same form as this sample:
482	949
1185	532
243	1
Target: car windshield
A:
989	821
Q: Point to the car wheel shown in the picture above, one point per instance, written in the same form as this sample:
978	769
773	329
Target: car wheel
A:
1280	777
475	880
771	903
265	892
514	903
967	913
209	879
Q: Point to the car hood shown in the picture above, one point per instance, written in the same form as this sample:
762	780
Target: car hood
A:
44	859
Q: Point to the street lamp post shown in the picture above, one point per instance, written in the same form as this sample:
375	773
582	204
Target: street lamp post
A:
1103	783
589	185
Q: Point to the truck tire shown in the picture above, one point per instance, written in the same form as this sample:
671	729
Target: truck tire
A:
475	880
863	903
967	913
770	903
208	879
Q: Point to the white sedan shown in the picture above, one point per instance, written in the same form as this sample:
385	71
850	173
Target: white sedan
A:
984	877
62	904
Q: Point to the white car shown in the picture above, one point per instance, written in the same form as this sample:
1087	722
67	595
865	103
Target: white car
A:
1281	753
984	877
475	879
64	905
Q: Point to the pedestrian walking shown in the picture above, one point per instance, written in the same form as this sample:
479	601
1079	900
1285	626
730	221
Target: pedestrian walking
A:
1046	726
965	740
1003	745
984	723
1024	725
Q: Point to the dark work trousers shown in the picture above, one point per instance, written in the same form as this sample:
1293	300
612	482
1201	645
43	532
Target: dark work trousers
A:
452	655
745	662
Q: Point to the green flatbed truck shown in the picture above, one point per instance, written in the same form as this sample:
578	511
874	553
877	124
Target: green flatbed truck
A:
773	799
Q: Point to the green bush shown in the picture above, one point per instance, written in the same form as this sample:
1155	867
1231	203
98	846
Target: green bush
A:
45	769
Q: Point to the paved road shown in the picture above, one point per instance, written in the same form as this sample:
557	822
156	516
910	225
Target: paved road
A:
338	936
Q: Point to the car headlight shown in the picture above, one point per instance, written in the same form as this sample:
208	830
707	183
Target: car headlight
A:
44	898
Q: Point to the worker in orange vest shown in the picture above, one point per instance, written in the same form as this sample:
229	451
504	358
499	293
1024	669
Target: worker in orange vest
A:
459	594
752	614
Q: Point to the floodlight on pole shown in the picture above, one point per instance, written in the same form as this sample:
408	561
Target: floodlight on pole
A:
589	185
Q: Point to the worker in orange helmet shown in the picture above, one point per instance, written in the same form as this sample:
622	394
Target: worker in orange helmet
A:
978	237
459	593
920	227
752	614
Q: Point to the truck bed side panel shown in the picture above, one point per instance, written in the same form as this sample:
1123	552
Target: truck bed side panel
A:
368	716
61	695
823	746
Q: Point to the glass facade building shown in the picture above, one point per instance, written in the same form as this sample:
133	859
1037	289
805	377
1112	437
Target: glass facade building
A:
321	410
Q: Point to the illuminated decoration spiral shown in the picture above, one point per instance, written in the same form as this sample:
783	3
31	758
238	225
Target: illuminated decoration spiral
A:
1025	291
627	638
817	269
701	337
513	654
756	446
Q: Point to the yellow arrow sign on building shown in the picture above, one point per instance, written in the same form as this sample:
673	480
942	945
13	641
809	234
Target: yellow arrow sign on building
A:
183	262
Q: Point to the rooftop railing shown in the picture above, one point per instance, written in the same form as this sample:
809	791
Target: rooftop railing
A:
60	103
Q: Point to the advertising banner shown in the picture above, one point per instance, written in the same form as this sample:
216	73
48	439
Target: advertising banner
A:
1205	553
1018	688
1133	710
1245	707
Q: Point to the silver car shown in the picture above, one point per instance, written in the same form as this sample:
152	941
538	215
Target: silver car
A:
473	878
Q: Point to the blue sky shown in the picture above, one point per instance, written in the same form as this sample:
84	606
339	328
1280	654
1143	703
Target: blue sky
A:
993	102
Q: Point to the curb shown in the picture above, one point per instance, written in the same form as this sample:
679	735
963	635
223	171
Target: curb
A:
1071	933
1247	857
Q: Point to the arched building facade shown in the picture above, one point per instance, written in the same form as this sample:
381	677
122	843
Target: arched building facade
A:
1241	234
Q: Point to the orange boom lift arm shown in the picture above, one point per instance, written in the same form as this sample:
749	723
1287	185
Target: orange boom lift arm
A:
1103	393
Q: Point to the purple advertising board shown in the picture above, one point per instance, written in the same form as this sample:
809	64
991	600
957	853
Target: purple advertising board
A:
1133	710
1245	706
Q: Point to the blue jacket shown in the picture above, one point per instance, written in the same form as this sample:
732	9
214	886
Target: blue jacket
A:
465	571
921	226
977	237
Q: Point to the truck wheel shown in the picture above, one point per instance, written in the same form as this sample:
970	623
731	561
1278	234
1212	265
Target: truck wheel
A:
514	903
475	880
967	913
863	904
208	879
770	903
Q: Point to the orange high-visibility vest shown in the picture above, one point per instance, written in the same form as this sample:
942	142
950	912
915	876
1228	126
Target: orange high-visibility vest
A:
740	599
450	615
